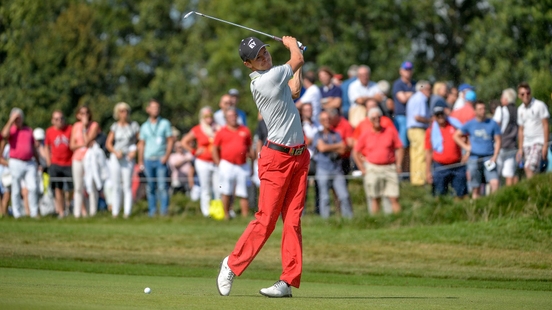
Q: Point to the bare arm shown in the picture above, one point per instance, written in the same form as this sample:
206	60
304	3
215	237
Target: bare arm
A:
546	138
187	141
296	60
109	142
168	150
459	139
73	140
422	119
140	154
216	155
399	156
520	143
497	144
3	161
403	96
332	103
334	147
6	128
357	157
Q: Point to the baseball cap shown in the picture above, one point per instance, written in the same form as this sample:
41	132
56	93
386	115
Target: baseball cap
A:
233	92
407	65
465	86
250	47
471	96
438	109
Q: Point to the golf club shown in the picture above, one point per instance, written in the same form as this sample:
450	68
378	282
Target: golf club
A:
301	46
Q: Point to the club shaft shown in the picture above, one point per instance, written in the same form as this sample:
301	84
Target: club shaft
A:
237	25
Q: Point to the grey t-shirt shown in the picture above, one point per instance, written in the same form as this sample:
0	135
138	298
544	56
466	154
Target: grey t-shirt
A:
124	136
272	96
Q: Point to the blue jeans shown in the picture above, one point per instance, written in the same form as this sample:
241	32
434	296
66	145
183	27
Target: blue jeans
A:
456	177
326	180
156	174
400	124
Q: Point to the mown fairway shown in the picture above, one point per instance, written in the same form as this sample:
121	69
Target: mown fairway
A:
105	263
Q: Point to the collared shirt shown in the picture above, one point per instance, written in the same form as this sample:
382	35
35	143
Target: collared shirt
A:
272	96
219	118
530	117
155	137
357	90
21	143
452	153
234	144
379	148
416	106
331	91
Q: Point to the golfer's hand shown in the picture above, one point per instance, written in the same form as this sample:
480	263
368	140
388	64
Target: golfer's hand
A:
289	42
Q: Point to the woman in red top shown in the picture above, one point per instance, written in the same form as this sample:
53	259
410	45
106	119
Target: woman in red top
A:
203	135
83	136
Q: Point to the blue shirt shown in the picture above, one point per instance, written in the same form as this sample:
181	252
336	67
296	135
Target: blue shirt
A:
331	91
399	85
155	137
345	104
327	161
416	106
481	136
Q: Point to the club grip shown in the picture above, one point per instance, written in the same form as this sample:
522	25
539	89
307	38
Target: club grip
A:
301	46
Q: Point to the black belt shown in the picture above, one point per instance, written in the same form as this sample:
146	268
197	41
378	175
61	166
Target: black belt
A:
294	151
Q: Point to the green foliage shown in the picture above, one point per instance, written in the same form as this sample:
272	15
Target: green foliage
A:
59	54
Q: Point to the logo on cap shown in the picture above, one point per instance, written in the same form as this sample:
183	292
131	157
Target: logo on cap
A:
252	43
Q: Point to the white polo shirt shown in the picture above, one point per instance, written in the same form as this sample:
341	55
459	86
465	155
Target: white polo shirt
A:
357	90
530	118
313	95
272	96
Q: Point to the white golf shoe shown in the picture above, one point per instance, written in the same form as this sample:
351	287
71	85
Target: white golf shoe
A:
278	290
225	278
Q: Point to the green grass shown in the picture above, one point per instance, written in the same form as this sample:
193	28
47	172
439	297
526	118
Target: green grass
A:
39	289
437	254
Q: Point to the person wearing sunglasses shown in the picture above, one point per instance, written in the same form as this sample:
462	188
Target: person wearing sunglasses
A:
533	134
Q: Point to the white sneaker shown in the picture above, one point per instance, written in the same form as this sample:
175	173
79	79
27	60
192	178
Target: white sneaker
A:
225	278
278	290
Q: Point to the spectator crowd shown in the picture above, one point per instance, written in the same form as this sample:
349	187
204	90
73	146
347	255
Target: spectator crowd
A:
439	134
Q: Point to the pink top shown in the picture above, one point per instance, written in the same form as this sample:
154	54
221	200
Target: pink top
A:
21	143
79	153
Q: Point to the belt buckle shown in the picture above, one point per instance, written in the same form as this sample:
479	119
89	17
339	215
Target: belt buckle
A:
296	152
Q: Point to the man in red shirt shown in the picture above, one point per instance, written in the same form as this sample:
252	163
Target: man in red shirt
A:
378	154
467	112
231	148
441	151
59	159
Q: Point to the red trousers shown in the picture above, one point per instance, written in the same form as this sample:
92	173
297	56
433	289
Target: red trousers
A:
282	192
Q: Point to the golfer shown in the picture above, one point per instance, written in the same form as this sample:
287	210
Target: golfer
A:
283	166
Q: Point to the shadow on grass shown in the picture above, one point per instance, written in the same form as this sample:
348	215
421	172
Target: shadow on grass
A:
355	297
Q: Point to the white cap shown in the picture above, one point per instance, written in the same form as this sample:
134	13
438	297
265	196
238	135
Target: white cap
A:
38	134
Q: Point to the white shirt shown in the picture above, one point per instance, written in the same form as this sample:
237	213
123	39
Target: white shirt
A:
272	96
530	118
313	96
357	90
502	117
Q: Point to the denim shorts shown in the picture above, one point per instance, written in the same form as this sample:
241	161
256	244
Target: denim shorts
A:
478	173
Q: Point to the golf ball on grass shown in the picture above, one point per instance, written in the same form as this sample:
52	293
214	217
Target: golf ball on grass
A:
147	290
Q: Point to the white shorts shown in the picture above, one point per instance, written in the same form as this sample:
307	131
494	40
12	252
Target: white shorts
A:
506	163
233	178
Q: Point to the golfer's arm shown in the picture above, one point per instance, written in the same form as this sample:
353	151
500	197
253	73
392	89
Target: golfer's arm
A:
296	84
